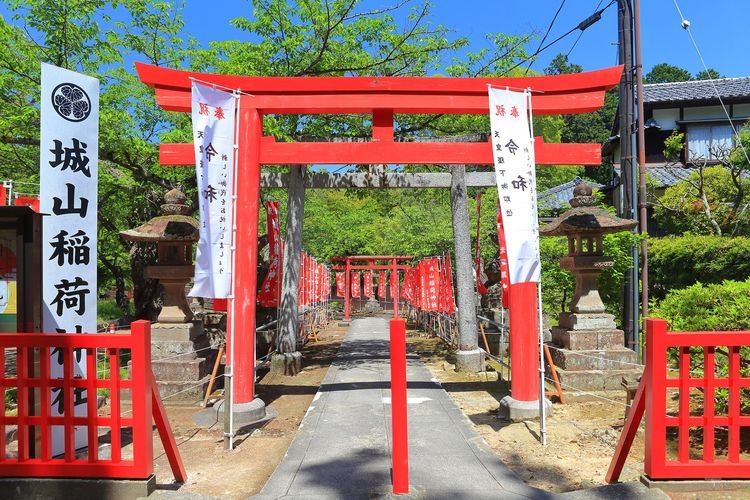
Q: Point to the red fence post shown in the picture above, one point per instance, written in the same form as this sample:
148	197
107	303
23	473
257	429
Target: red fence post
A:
400	456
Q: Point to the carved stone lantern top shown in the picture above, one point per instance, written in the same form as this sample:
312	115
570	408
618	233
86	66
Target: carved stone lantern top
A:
174	232
585	218
584	225
173	225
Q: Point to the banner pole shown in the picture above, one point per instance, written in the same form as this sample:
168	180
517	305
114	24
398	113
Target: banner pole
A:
535	225
228	393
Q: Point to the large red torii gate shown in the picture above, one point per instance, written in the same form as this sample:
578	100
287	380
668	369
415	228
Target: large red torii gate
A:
382	98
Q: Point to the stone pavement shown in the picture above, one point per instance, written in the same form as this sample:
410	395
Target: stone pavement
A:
342	449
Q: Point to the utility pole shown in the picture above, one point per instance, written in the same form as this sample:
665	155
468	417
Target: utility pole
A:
628	168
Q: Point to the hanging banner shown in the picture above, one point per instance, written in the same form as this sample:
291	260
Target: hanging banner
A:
268	295
341	284
448	283
213	114
368	285
503	258
68	172
513	149
394	285
355	285
382	284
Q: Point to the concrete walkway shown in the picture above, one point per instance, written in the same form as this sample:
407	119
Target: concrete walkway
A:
342	449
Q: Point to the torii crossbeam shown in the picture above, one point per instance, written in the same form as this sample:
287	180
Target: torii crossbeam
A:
382	98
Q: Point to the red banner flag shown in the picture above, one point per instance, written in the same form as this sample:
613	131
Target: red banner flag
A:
481	289
381	284
450	304
341	284
355	285
268	295
368	285
504	271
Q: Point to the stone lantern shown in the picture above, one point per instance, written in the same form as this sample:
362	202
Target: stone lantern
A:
591	353
174	233
177	339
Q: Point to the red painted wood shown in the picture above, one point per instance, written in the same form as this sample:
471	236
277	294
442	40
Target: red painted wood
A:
524	366
166	435
657	421
400	447
156	76
351	258
139	419
401	103
627	436
246	261
414	153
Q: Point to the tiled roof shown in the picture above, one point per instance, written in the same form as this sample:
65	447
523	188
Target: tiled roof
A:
559	197
699	90
666	176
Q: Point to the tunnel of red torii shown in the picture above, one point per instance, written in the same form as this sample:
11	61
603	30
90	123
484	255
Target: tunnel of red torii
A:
381	98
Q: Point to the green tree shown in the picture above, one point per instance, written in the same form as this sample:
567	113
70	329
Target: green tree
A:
712	200
666	73
708	74
96	38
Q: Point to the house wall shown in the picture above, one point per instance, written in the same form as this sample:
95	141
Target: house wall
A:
741	110
667	118
704	113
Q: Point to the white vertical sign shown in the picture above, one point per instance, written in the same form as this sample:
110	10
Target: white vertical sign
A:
513	148
213	116
68	172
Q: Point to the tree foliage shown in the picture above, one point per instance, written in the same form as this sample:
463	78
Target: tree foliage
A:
666	73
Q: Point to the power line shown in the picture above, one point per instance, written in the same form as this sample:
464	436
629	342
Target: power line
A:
549	28
581	33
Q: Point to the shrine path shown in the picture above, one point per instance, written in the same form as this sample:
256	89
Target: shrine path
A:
342	449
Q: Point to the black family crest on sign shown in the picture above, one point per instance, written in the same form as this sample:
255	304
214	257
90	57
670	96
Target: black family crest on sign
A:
71	102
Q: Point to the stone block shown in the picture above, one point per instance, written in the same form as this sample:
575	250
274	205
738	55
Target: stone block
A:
178	349
611	359
176	331
577	340
75	488
516	411
594	380
587	321
288	363
178	393
177	369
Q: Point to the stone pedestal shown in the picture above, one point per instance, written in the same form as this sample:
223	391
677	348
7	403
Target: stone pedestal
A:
181	361
588	351
372	306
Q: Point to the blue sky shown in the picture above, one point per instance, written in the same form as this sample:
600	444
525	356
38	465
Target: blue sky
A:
719	28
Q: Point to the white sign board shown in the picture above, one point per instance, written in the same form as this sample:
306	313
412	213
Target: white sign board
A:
213	116
513	148
68	172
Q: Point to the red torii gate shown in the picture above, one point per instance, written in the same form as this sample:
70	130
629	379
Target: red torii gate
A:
348	267
382	98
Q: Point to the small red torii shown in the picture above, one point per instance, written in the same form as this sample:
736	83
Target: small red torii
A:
381	97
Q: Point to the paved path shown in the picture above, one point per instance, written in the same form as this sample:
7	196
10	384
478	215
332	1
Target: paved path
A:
342	449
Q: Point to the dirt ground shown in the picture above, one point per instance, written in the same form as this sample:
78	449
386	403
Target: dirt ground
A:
581	434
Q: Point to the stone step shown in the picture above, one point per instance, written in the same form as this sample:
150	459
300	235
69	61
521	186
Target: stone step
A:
578	340
602	359
180	393
176	331
178	349
595	380
176	369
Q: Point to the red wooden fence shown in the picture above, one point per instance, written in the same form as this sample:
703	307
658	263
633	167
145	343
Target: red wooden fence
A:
35	387
689	436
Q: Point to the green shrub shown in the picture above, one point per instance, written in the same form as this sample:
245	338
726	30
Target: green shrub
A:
678	262
723	306
714	307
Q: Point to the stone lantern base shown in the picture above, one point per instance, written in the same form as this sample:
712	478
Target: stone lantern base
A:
181	361
589	354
